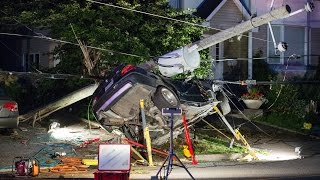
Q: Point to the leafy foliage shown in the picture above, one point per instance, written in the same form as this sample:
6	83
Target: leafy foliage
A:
261	71
210	145
139	36
110	28
287	109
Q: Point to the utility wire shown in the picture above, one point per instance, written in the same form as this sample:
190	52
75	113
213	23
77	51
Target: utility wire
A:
245	117
11	50
17	54
167	18
46	75
68	42
41	36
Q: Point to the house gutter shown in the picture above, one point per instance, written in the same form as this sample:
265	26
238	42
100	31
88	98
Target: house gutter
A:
250	59
308	37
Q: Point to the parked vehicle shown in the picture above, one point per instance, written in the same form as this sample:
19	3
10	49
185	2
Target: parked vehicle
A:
116	102
8	111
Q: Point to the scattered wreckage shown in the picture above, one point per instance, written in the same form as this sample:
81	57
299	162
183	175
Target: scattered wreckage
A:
116	100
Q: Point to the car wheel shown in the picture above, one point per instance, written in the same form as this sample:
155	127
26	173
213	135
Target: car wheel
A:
165	98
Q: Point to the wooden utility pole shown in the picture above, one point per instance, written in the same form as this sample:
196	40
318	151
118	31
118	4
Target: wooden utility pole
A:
67	100
241	28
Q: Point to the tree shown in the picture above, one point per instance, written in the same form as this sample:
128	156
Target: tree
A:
140	36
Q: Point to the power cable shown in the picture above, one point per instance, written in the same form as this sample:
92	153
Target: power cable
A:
11	50
284	78
245	117
47	75
68	42
18	55
31	30
215	129
167	18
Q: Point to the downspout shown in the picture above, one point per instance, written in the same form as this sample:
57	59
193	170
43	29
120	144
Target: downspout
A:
308	37
182	4
250	60
250	50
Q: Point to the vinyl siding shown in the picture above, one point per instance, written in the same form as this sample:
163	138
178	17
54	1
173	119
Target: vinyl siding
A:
258	44
43	47
315	46
228	16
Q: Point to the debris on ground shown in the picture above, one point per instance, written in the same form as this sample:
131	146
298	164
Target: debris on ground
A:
69	165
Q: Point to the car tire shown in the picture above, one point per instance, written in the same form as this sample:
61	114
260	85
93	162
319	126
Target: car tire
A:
165	98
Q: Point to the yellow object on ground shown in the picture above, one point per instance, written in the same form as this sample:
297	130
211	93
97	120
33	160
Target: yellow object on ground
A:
90	162
307	125
186	151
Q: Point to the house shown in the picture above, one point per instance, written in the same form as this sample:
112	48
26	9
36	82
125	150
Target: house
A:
26	53
301	32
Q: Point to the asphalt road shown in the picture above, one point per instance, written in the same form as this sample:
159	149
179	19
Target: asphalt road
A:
278	145
306	168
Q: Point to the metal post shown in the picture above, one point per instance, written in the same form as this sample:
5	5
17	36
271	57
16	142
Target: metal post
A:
146	133
171	112
236	133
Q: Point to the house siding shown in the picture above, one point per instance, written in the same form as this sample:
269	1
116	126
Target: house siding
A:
315	46
43	47
297	67
228	16
258	45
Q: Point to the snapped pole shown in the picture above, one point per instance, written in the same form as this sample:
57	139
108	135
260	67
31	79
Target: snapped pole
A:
221	36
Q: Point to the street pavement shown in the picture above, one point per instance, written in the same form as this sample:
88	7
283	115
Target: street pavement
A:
282	155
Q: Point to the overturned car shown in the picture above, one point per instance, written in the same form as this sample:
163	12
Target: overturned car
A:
116	102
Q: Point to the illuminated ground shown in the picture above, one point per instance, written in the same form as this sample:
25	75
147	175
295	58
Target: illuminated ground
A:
278	146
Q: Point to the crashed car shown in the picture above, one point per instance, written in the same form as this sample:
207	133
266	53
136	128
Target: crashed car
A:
116	102
8	111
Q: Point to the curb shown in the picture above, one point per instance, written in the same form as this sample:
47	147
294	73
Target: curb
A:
219	157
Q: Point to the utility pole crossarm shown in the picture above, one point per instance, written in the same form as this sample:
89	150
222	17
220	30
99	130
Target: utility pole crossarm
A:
243	27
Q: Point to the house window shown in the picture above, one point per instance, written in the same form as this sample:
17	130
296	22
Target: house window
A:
31	61
295	37
273	56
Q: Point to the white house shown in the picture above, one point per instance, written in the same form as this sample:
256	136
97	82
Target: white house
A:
301	32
